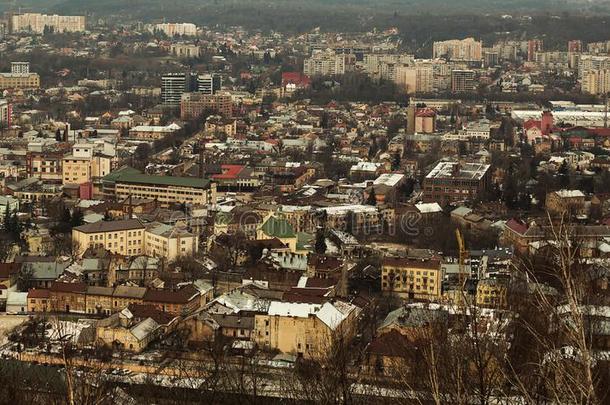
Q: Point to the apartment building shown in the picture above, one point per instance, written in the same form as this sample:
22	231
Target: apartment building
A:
37	23
411	278
5	114
596	81
326	63
84	164
415	79
152	132
174	29
186	51
461	50
169	242
173	85
193	105
46	166
463	81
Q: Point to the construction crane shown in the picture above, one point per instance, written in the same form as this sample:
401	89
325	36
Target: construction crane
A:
463	255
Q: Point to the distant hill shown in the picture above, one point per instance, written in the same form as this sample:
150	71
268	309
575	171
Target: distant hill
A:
300	15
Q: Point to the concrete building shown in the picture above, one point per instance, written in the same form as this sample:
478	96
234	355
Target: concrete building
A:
165	190
20	67
35	22
324	64
174	29
173	85
452	181
411	278
596	81
186	51
305	329
5	114
534	46
193	105
208	83
83	165
458	50
19	81
462	81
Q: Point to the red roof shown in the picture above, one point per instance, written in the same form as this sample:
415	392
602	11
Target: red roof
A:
38	293
600	131
229	172
295	78
532	124
517	226
426	112
69	287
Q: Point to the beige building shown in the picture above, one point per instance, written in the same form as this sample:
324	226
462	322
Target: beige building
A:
324	64
415	79
185	50
462	50
130	238
124	237
84	165
596	81
411	278
36	22
305	329
169	242
19	81
165	190
123	332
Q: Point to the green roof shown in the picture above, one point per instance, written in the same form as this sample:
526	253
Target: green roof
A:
304	240
137	178
114	175
278	228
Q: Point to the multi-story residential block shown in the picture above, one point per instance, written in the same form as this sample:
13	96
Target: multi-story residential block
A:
84	165
534	46
174	29
45	165
596	81
5	114
453	181
411	278
461	50
193	105
35	22
324	64
20	67
492	292
463	81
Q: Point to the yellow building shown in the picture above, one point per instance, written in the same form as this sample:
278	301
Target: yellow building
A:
305	329
84	165
124	237
19	81
131	238
411	278
121	331
492	292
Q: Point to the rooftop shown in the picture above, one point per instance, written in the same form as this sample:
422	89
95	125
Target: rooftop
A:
470	171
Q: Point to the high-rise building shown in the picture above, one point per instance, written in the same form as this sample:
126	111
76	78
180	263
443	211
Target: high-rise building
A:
173	29
460	50
596	81
575	46
173	85
208	83
5	114
415	79
462	81
324	64
20	67
491	58
533	46
35	22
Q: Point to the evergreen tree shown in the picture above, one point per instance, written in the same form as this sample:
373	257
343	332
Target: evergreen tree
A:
320	246
372	199
77	218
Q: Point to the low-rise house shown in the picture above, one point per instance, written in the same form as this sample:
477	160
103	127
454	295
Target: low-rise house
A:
121	331
16	302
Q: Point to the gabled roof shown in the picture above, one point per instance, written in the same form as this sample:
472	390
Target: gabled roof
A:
110	226
278	228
